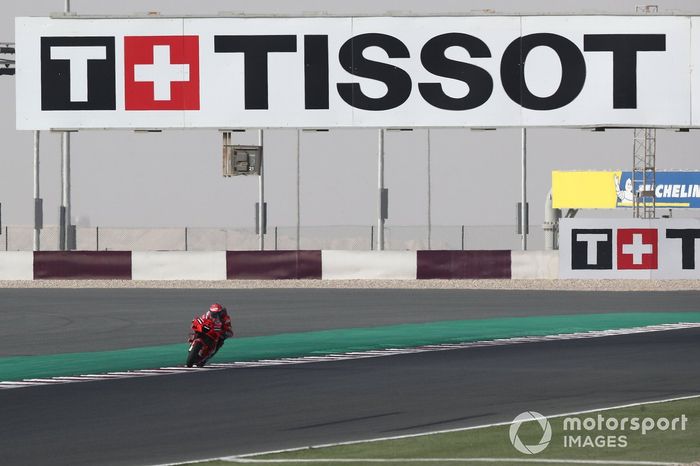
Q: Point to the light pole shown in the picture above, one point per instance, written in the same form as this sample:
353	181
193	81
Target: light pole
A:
64	210
430	217
380	201
37	202
523	206
298	189
261	198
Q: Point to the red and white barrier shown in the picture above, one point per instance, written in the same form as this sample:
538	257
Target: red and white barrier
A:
178	265
278	265
368	265
534	265
17	265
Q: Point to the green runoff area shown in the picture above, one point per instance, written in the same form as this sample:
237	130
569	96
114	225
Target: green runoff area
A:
326	342
493	445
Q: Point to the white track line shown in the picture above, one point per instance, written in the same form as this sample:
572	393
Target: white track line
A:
251	456
461	429
447	460
352	355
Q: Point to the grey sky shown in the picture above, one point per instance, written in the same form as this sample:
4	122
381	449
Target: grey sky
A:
174	178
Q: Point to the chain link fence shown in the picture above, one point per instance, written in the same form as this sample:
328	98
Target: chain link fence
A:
454	237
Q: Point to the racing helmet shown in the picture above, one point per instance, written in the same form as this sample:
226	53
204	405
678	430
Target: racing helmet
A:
216	311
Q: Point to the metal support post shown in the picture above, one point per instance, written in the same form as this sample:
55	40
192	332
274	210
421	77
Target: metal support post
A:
37	227
64	235
298	189
523	207
64	209
380	217
261	198
430	218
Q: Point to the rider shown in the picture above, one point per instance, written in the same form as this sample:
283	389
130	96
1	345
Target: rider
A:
218	313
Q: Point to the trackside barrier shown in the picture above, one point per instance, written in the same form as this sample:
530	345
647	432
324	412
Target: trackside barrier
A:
354	265
17	265
278	265
179	265
273	265
463	264
534	264
82	265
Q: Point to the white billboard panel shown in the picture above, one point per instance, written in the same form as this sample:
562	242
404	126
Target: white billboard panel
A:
356	72
694	70
629	248
620	86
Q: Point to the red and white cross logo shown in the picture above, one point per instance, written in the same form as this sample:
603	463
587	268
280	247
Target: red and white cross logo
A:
637	248
161	72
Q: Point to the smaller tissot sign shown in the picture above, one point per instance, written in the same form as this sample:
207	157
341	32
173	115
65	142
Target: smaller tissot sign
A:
629	248
636	249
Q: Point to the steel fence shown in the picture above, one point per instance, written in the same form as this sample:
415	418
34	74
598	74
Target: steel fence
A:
451	237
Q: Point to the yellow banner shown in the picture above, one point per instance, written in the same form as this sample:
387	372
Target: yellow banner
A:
587	190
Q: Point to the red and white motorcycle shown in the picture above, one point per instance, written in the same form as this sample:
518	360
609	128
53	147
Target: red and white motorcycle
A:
203	341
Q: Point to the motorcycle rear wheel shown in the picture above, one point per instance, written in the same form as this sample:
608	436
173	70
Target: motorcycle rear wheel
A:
193	354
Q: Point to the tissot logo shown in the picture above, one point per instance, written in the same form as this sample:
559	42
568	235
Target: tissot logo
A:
637	248
77	73
591	249
161	72
688	236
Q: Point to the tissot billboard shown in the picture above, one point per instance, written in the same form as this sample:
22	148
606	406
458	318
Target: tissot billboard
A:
629	248
357	72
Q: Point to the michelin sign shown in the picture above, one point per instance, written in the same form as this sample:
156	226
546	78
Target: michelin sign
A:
612	189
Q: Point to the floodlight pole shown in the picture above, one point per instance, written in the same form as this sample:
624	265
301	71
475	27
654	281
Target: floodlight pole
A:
64	210
37	231
261	197
380	216
298	189
65	191
523	206
430	217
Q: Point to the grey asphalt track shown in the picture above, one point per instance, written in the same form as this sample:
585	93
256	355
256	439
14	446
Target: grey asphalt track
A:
160	419
47	321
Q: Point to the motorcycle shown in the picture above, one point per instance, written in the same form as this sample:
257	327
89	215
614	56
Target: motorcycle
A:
203	341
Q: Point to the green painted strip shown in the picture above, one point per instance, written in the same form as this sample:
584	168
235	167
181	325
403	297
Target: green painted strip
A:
331	341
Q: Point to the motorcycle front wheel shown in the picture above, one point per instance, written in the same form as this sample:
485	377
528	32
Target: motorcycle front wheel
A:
193	354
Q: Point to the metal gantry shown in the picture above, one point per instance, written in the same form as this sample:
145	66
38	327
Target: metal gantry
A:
644	158
644	173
